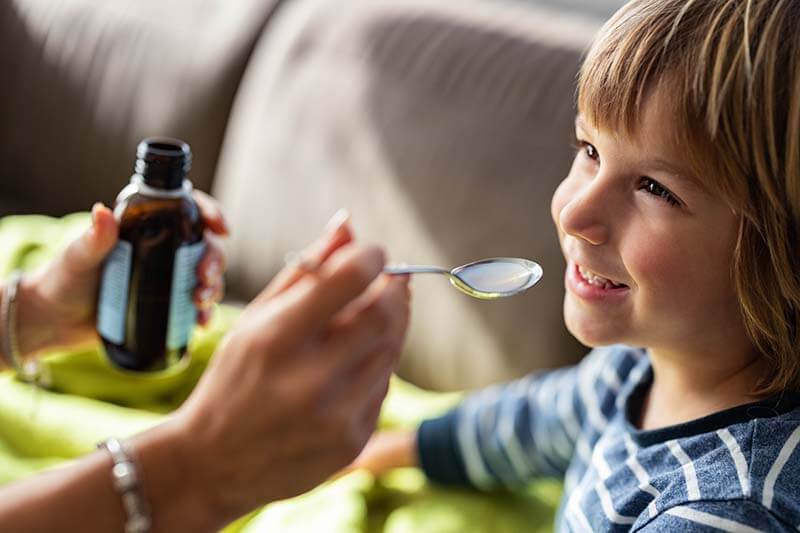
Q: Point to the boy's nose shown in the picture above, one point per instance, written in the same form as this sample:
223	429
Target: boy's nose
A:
583	217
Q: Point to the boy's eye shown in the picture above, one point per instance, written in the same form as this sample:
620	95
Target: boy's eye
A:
656	189
591	151
586	149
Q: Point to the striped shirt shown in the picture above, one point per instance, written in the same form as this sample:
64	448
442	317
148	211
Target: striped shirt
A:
735	470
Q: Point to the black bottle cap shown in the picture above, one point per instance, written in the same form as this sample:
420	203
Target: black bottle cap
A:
163	162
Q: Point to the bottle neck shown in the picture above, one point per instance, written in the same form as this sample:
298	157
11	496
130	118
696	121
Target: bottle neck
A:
141	186
163	162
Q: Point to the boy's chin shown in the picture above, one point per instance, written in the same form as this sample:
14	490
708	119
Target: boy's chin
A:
591	333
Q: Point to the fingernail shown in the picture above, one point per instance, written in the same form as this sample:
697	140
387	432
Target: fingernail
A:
96	209
204	300
337	221
225	227
212	272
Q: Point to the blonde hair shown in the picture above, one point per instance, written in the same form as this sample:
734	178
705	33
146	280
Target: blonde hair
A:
733	71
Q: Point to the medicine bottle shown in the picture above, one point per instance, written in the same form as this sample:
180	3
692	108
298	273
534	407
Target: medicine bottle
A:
145	311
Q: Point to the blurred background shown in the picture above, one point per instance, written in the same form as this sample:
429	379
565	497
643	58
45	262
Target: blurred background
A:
443	126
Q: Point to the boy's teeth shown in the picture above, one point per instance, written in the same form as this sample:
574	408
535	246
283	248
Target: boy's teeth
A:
596	280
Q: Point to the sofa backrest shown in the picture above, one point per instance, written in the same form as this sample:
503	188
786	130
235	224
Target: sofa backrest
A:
444	127
84	80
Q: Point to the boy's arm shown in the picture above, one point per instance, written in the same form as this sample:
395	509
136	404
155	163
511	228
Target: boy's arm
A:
505	434
387	450
509	434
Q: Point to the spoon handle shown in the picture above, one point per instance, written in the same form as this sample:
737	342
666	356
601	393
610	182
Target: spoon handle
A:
414	269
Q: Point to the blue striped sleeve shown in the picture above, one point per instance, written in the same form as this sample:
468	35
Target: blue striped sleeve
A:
505	435
741	516
508	434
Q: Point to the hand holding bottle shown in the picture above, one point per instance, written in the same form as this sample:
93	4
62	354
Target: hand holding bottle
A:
57	304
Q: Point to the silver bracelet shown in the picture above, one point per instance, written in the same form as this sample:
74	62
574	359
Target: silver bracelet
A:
29	371
9	311
125	477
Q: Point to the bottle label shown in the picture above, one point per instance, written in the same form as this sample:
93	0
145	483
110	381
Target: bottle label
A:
182	311
113	300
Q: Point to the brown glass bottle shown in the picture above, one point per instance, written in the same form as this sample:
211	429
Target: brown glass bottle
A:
145	309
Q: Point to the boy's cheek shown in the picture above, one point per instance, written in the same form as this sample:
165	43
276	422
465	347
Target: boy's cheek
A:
663	279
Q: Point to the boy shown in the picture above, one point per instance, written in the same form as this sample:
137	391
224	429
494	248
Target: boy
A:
679	221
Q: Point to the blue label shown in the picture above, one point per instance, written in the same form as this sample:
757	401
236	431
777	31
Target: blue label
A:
112	303
182	312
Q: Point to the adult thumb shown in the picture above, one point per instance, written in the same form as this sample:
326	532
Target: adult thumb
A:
89	250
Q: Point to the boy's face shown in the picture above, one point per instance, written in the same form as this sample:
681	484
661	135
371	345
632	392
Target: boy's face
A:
660	245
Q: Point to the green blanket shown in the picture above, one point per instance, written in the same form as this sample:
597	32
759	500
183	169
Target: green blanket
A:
90	401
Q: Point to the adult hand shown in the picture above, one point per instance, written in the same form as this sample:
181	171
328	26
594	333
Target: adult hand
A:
58	303
295	388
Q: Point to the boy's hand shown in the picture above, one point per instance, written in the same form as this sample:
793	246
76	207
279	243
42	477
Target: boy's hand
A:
385	451
57	304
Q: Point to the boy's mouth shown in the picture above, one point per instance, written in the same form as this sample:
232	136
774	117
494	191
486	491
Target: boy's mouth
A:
598	281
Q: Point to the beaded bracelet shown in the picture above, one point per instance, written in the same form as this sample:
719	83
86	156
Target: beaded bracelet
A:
125	477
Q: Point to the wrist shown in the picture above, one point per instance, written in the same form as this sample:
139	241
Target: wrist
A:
413	448
176	496
408	454
34	332
388	450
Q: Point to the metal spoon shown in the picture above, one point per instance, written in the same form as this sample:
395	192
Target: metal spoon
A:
487	279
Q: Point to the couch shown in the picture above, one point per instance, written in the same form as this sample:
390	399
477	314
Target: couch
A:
444	128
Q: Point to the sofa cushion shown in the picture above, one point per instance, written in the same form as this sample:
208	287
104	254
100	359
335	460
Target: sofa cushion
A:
85	80
444	127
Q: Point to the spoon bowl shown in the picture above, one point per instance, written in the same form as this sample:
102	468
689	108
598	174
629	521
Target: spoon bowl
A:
485	279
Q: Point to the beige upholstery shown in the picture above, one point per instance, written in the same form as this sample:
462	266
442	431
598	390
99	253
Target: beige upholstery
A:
443	125
84	80
445	128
